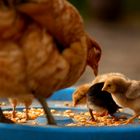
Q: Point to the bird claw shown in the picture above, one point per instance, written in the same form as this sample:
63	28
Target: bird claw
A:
128	122
115	118
91	119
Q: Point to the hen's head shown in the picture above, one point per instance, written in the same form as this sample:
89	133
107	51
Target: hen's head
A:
94	55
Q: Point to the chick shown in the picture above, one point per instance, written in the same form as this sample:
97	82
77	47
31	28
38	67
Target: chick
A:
79	96
26	100
100	101
125	92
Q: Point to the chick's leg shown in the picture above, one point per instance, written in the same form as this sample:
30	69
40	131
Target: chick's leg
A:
91	114
48	114
131	119
3	119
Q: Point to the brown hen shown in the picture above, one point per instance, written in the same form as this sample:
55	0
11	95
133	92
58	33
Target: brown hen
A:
44	49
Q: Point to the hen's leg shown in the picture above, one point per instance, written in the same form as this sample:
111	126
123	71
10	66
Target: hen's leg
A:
14	111
27	111
48	114
14	104
3	119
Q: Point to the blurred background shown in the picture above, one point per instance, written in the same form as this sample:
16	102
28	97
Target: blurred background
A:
115	25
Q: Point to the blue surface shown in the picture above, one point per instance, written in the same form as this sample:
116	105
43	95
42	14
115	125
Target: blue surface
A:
61	121
23	132
15	132
63	95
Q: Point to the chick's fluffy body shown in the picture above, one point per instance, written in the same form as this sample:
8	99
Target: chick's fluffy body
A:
103	77
124	92
100	101
80	94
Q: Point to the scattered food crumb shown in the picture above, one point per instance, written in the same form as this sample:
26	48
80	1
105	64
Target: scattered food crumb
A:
79	118
2	104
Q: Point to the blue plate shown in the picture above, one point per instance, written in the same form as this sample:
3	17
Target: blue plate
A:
26	132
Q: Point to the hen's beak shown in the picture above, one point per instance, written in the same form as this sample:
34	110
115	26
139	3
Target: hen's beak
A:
94	55
95	70
93	63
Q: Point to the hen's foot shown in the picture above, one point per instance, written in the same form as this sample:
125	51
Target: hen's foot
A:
5	120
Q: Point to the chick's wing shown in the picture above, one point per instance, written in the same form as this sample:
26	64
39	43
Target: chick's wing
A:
134	90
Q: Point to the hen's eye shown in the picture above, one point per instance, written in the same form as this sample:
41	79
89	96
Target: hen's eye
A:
109	85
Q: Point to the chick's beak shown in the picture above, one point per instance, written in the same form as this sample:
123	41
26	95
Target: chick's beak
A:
104	88
74	104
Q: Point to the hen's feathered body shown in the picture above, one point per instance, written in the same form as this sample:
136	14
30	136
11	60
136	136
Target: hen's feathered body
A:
41	51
